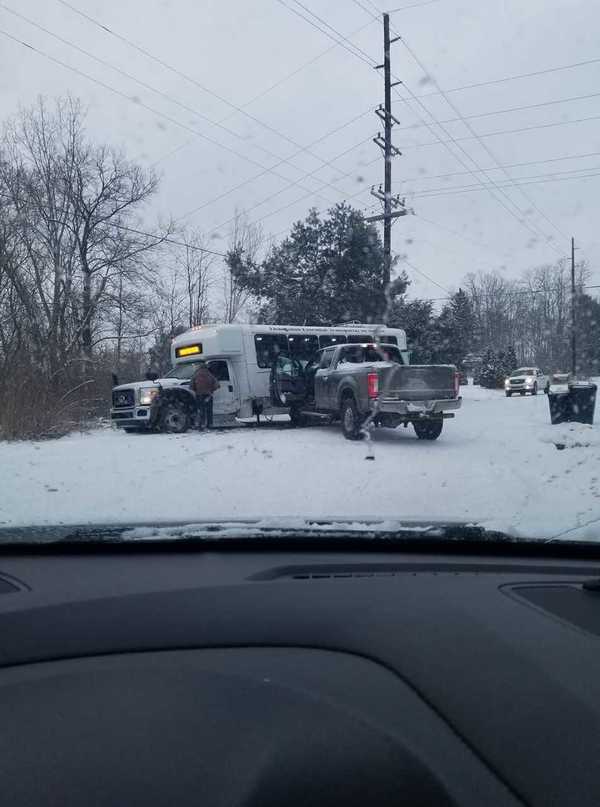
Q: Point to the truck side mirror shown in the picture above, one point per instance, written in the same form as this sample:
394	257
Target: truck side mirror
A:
151	375
115	379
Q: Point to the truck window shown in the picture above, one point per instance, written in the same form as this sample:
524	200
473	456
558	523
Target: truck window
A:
326	357
353	354
268	347
326	339
389	340
383	353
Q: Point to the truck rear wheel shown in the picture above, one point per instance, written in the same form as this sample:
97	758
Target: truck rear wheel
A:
428	429
174	418
351	421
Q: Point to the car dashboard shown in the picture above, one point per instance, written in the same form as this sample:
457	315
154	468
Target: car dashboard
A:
232	675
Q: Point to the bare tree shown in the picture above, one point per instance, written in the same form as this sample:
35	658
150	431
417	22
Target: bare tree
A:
74	259
246	239
196	269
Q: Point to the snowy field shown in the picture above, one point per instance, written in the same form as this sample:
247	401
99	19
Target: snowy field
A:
495	463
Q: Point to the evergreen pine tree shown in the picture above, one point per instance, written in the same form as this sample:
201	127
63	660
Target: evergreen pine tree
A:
488	374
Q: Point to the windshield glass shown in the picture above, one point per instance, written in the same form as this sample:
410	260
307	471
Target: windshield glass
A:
381	274
183	371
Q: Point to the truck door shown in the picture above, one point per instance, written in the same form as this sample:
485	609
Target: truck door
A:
323	383
287	382
226	399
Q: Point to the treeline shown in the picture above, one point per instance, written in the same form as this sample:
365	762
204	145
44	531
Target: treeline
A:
85	289
528	318
328	270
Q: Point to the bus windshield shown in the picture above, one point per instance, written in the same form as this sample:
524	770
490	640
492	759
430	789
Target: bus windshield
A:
183	371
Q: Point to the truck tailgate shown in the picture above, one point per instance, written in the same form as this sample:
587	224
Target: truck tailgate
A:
417	382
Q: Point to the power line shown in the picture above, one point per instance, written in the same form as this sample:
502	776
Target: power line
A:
302	67
482	143
457	112
536	179
514	77
183	126
169	240
460	235
522	108
473	172
434	176
178	72
519	217
450	90
413	5
506	165
144	84
421	272
269	89
470	189
522	179
498	132
140	103
340	37
290	184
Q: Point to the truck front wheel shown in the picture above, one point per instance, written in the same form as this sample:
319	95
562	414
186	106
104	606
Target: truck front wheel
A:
174	418
351	421
428	429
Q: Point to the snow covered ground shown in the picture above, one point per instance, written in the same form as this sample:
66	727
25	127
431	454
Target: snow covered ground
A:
496	462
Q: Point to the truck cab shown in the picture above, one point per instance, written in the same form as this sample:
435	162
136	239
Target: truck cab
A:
167	403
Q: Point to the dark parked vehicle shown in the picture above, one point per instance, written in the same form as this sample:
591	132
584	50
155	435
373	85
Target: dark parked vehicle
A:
359	384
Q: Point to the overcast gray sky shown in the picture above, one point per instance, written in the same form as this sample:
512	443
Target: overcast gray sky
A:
239	50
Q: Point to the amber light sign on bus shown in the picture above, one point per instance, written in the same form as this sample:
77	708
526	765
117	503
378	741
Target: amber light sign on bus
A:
190	350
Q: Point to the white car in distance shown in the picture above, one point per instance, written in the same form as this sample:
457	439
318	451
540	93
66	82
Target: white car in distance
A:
526	379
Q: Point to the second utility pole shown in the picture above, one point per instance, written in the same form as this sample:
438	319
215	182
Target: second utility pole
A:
573	312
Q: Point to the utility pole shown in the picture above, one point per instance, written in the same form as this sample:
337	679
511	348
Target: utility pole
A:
573	312
393	207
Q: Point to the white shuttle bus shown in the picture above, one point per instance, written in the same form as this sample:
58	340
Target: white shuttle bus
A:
241	357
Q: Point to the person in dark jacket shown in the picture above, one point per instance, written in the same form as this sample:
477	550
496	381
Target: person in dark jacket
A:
203	383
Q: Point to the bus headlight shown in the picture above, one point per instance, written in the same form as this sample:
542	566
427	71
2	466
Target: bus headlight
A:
148	395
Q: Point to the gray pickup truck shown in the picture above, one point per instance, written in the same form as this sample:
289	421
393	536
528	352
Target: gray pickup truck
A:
360	384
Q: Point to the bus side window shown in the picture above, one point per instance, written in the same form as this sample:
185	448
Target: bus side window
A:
302	347
359	338
325	340
268	347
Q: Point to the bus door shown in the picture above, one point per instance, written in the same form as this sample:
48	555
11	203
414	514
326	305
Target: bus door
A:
226	399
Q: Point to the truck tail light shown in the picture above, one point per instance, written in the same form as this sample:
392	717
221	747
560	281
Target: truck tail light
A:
373	385
456	384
